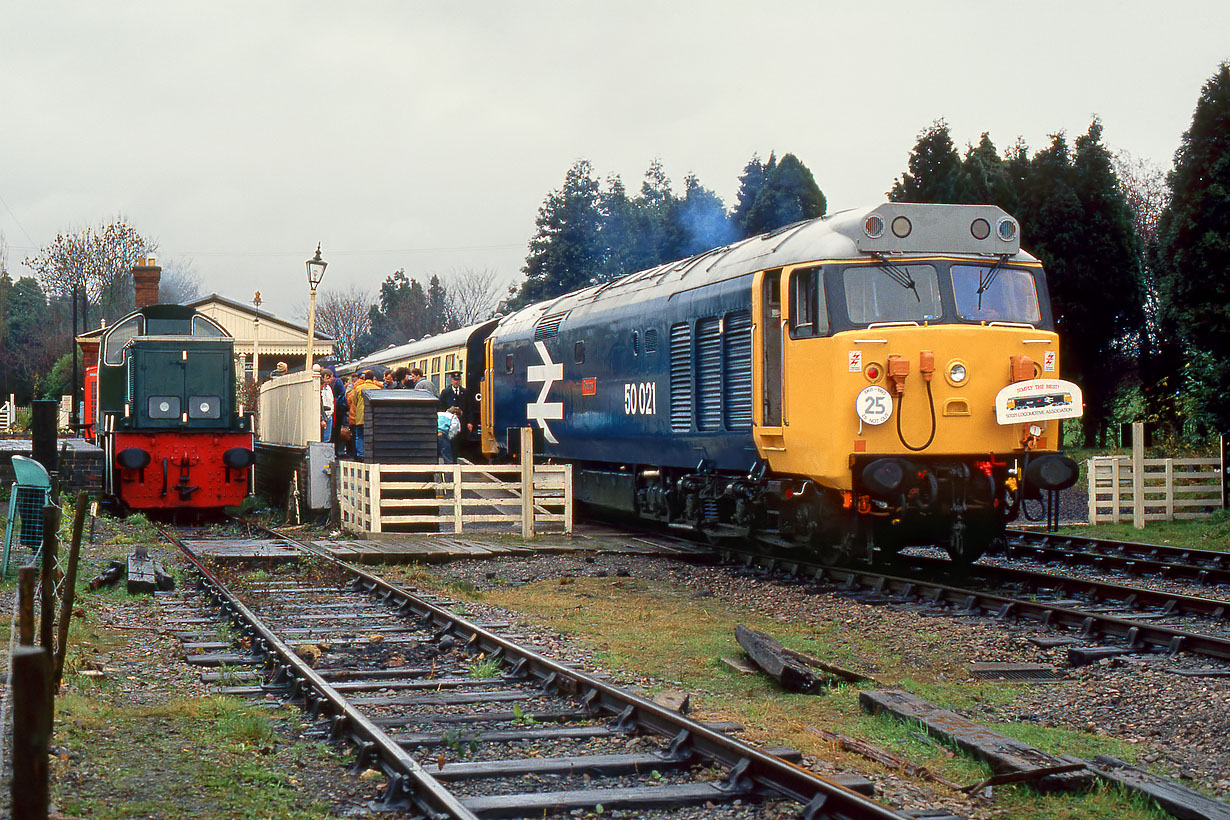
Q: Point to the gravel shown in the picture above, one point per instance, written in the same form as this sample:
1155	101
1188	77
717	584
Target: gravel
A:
1180	724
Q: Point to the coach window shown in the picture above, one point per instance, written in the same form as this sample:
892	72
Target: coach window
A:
578	352
808	316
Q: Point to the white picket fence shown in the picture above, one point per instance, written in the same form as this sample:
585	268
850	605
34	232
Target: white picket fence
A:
8	413
1169	489
454	497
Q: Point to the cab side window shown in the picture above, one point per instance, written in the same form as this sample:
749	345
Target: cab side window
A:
808	312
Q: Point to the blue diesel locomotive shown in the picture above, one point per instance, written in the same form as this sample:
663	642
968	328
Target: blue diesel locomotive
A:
872	379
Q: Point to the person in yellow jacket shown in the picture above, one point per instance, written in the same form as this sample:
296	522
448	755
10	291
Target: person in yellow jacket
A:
367	381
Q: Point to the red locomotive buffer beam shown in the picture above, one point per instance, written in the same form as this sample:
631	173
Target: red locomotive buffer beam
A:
182	470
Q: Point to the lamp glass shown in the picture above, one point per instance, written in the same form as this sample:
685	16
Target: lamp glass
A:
316	269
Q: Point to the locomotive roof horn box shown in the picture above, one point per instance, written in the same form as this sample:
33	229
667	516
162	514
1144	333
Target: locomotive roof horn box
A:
899	227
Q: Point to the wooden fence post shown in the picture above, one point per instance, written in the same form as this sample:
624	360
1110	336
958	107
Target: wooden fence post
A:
1091	476
1138	475
373	484
456	498
31	731
1225	472
527	482
1116	491
70	587
568	498
26	576
1169	479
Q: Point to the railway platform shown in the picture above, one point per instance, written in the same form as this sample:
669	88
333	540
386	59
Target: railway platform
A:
80	462
437	548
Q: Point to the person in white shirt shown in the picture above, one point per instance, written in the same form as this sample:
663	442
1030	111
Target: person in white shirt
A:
448	425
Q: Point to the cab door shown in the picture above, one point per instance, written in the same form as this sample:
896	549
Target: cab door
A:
768	362
487	402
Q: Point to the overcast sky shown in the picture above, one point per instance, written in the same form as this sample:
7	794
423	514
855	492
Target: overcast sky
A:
425	135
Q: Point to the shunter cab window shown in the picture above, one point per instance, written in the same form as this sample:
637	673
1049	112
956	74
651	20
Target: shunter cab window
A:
989	295
892	293
201	326
808	312
121	335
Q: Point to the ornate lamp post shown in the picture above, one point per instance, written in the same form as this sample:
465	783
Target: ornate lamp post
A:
315	272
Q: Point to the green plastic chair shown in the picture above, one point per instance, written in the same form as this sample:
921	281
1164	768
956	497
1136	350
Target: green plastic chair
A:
30	493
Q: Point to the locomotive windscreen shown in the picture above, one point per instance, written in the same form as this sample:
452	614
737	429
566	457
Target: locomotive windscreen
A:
987	294
892	293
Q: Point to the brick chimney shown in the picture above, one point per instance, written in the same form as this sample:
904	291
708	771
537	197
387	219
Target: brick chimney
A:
145	276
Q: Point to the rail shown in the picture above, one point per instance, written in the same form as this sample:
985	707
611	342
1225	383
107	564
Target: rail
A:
289	410
454	497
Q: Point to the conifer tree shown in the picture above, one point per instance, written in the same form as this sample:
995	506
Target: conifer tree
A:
790	194
934	173
438	318
1192	257
983	177
566	252
1075	219
751	183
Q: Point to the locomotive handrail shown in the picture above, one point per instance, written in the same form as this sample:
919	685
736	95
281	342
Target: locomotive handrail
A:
998	323
874	325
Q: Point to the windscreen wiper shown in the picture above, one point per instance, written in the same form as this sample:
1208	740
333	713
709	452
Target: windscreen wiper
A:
901	277
985	280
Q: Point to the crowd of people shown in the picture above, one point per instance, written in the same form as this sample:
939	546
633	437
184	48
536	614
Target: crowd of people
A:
342	408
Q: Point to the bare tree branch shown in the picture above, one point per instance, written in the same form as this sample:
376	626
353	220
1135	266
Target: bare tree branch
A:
99	259
1143	183
472	295
179	284
344	315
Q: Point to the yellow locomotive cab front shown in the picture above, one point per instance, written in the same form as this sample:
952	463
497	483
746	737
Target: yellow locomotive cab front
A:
908	396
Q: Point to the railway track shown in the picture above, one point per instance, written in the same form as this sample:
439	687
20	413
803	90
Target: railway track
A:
1131	619
1205	567
464	722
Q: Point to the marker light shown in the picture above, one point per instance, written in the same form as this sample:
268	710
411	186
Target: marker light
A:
902	227
956	373
980	228
1006	228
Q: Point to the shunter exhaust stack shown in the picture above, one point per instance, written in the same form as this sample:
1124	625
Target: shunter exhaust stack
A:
145	276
